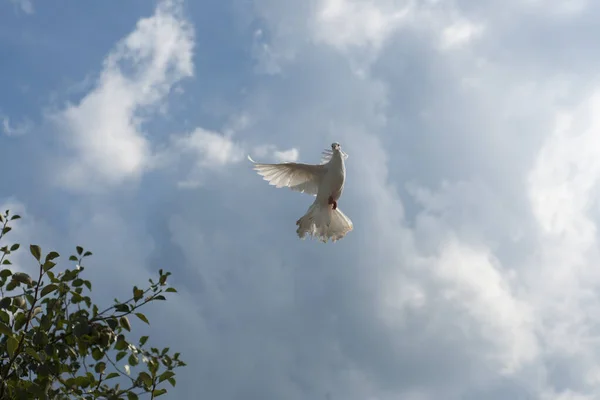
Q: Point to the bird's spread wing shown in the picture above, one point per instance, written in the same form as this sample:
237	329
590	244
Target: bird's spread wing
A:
304	178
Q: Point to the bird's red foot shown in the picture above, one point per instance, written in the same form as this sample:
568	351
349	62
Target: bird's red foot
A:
332	202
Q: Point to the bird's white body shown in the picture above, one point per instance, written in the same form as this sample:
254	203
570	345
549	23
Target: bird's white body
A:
332	184
323	219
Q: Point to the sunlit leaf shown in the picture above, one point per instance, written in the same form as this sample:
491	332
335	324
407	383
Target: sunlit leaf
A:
142	317
125	323
35	251
166	375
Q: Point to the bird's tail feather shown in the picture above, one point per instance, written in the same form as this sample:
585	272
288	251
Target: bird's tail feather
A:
323	223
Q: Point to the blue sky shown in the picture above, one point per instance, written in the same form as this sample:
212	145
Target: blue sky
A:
471	129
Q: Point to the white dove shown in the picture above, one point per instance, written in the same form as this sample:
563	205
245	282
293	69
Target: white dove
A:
323	220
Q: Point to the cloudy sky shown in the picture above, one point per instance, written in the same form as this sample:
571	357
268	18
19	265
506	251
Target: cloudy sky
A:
472	128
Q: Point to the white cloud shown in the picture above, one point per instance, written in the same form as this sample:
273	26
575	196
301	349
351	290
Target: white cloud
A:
213	149
290	155
18	129
563	190
349	23
459	34
208	151
105	130
25	5
477	282
269	60
566	8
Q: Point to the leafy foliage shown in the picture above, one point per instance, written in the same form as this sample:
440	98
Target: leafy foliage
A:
55	343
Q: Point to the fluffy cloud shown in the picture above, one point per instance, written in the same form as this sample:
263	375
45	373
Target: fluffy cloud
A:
348	23
209	151
105	129
25	5
11	129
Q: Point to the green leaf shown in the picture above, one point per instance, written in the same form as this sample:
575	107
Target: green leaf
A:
87	254
49	289
132	396
137	293
22	277
97	354
111	375
113	323
166	375
15	217
142	317
15	247
35	251
73	258
11	346
4	317
153	366
40	338
69	275
120	355
33	353
78	282
48	265
122	307
160	297
5	273
121	344
19	320
159	392
5	329
125	323
143	340
171	290
100	367
12	285
79	250
133	360
172	381
6	229
5	302
6	262
145	378
82	381
52	255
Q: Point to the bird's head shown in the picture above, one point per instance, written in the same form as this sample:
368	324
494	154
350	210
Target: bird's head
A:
335	146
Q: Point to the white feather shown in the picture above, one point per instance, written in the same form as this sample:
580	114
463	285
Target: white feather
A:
302	178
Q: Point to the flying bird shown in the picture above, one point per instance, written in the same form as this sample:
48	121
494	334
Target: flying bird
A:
323	220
